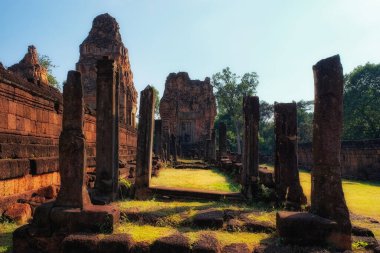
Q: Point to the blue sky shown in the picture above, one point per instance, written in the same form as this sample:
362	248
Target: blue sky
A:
278	39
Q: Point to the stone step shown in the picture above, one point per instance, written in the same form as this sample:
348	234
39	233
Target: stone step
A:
181	193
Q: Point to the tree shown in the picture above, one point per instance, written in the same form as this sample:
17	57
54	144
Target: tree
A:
230	90
305	120
157	102
46	62
362	103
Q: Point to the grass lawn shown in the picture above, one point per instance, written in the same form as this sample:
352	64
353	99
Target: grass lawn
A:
6	230
201	179
174	213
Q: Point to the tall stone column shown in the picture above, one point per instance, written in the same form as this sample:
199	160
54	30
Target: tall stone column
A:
222	139
251	112
327	197
72	146
145	142
288	186
107	162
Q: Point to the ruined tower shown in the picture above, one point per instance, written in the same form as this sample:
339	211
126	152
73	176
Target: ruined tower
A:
187	110
104	39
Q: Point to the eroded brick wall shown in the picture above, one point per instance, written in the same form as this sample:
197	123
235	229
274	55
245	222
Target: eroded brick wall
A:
30	125
359	159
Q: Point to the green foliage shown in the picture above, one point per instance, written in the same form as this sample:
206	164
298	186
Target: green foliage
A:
305	121
46	62
230	90
362	103
157	102
266	129
359	245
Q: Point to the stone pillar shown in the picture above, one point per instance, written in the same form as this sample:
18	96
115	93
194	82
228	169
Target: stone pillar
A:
72	146
251	146
145	142
327	197
157	138
213	146
222	139
107	162
288	186
173	147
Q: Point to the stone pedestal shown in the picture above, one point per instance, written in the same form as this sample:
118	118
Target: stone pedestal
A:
327	197
288	187
222	139
251	146
107	162
145	143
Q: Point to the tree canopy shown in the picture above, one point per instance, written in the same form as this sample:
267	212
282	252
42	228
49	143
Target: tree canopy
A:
230	90
362	103
47	63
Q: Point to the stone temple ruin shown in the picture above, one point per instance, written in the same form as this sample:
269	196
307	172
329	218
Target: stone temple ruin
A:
87	135
187	111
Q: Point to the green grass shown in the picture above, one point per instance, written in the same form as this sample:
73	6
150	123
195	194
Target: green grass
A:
362	197
200	179
6	230
147	233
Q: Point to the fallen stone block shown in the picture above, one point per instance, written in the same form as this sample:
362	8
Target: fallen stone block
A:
209	218
80	243
304	228
207	243
236	248
19	213
176	243
116	243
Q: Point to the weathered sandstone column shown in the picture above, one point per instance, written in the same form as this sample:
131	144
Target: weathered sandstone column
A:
288	187
251	146
222	139
107	162
72	146
145	142
327	197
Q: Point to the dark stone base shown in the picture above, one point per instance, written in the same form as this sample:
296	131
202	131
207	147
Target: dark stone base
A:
307	229
52	224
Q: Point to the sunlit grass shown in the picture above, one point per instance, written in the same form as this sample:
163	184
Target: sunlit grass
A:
362	197
6	230
144	233
200	179
149	234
